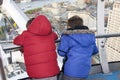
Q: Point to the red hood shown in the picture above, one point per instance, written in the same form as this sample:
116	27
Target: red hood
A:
40	26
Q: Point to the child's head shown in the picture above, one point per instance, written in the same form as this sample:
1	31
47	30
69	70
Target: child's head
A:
74	21
29	22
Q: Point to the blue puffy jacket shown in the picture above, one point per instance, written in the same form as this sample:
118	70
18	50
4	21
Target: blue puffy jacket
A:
77	46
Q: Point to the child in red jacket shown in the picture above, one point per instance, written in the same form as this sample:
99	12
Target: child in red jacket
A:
38	42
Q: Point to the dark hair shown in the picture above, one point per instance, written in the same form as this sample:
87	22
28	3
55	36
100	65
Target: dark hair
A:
75	21
29	22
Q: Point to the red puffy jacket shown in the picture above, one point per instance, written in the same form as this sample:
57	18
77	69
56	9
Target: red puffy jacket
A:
38	42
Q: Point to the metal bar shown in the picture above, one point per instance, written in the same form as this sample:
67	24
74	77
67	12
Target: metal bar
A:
101	41
108	35
102	36
3	75
12	46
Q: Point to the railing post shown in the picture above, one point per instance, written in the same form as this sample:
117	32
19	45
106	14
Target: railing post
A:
101	41
3	76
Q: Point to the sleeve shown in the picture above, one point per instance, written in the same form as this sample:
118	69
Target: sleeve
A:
63	46
55	35
95	49
19	40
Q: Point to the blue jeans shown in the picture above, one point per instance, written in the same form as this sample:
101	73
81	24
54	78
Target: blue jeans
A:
71	78
49	78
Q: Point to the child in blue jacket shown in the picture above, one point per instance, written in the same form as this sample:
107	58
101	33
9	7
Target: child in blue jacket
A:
77	45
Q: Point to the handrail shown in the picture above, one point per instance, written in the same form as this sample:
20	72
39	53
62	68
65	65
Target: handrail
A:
12	46
108	35
103	36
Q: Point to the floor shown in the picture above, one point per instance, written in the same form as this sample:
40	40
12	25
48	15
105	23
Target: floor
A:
110	76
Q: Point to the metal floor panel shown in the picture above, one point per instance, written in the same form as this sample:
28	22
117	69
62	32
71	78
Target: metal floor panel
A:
110	76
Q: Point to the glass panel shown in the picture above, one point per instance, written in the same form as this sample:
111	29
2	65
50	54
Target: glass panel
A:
113	26
58	12
7	28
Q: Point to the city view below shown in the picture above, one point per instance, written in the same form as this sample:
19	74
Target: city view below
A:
58	11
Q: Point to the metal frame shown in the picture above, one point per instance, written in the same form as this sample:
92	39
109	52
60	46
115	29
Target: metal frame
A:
101	41
18	15
2	63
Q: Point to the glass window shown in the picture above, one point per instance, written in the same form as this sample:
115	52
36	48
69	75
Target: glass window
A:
7	28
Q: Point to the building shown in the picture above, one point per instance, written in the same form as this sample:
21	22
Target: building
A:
22	1
81	4
26	0
113	26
